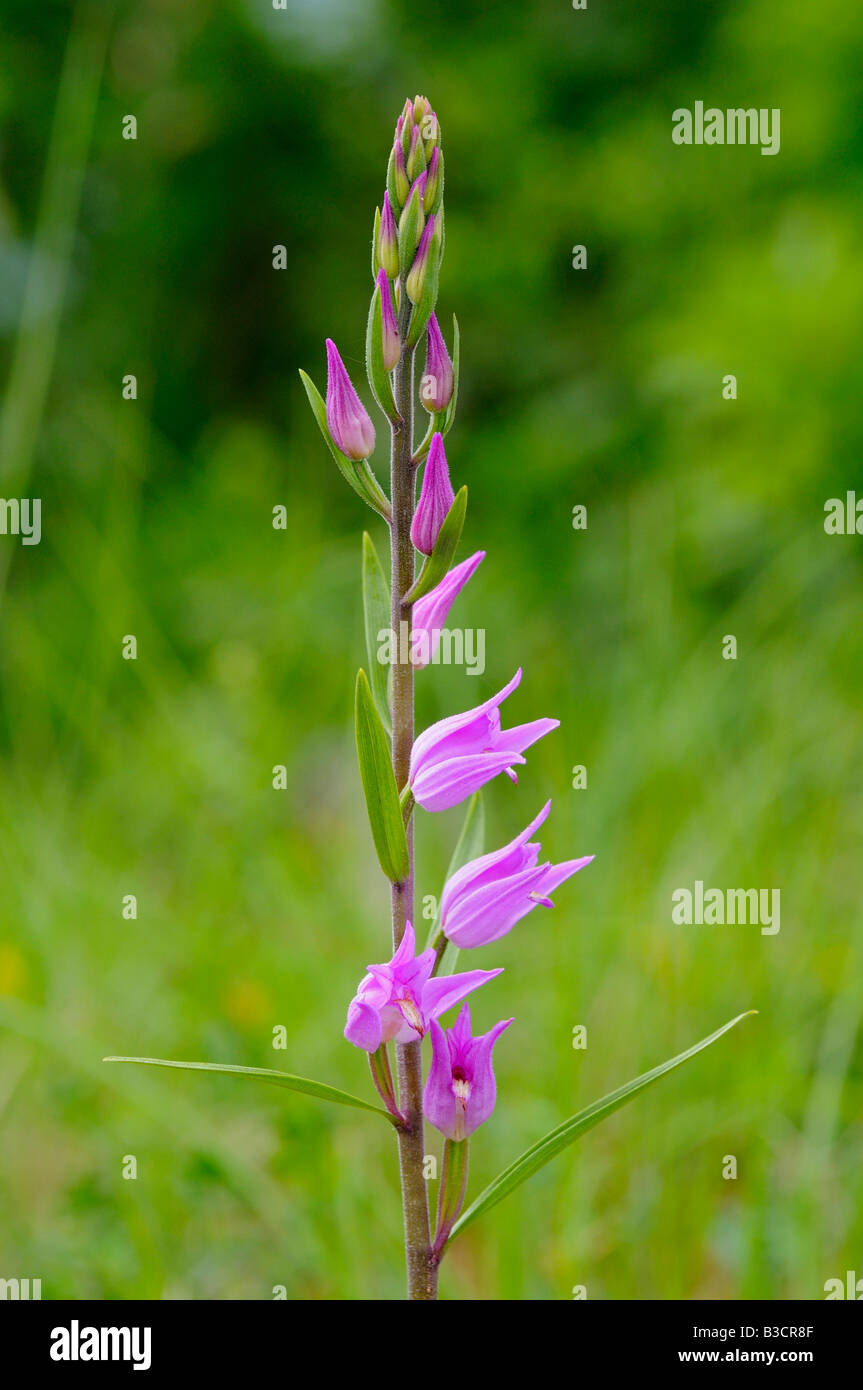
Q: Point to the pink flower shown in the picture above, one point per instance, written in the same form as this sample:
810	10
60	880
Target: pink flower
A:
415	283
456	756
430	612
484	899
391	343
388	242
398	1000
436	498
460	1091
347	418
436	386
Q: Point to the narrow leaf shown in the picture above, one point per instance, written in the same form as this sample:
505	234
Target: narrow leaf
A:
554	1142
435	417
376	232
379	786
377	616
318	1089
358	474
446	545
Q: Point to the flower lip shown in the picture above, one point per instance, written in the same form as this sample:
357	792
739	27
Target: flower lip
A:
397	1000
460	1090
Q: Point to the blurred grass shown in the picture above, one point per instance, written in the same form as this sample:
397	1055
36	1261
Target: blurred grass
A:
259	908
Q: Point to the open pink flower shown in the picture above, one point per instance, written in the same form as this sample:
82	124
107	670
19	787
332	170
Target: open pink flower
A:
456	756
460	1091
484	899
398	1000
430	613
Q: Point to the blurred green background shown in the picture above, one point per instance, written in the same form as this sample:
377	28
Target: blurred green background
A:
705	517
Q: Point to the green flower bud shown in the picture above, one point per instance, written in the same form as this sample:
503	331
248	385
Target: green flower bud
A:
434	182
387	241
398	183
411	224
416	281
416	160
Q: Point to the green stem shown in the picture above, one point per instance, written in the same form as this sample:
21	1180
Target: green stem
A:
453	1188
421	1265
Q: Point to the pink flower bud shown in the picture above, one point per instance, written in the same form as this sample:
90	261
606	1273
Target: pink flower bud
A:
436	498
416	158
415	283
347	418
388	241
389	329
430	128
400	174
436	386
433	174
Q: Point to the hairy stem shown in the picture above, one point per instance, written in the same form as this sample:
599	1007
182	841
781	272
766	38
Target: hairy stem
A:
421	1266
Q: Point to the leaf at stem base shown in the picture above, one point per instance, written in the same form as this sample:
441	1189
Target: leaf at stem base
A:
319	1089
558	1139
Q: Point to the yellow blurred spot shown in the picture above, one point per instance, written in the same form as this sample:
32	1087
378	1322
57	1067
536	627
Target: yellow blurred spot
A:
13	970
248	1003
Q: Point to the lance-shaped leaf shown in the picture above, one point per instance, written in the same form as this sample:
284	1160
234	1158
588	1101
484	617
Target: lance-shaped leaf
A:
357	473
437	564
376	232
376	615
319	1089
379	379
558	1139
470	846
379	786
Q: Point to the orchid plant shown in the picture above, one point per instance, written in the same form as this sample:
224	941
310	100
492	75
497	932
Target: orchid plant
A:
401	1002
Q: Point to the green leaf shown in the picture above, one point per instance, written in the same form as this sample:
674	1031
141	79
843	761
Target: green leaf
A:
420	452
377	373
376	614
358	474
554	1142
318	1089
376	232
379	786
470	846
441	558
